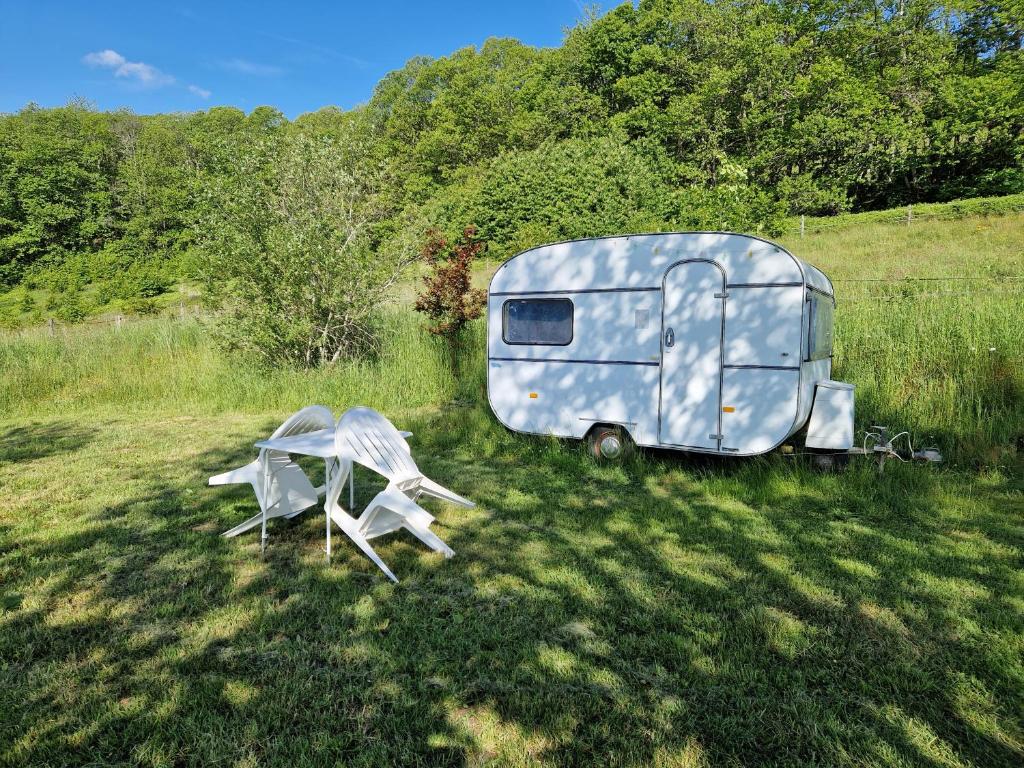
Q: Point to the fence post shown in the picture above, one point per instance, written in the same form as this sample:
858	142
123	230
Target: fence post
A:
117	322
910	214
801	225
49	324
181	310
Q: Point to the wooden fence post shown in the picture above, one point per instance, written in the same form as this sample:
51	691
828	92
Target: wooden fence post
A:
117	322
49	323
801	225
910	214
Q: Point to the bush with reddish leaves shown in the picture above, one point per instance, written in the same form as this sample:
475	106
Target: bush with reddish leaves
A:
448	297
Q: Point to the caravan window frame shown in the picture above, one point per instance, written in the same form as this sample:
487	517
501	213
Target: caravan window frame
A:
814	298
560	300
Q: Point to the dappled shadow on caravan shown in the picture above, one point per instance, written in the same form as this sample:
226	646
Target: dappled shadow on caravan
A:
692	341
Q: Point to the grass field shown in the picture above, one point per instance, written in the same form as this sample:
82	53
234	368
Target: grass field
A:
670	611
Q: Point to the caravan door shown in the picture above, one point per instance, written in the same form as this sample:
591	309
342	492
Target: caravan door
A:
692	323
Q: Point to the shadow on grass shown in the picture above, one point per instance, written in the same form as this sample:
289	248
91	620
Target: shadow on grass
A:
36	441
666	612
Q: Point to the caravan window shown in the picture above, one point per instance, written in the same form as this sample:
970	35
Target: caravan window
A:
537	321
819	337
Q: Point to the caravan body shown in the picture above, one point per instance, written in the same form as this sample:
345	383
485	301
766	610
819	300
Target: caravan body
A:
699	341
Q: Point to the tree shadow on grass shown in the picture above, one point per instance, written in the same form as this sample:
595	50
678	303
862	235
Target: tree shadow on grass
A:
38	440
662	612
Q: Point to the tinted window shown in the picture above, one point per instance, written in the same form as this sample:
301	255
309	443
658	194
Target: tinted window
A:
819	342
537	321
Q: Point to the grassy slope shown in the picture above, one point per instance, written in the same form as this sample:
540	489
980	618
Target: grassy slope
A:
670	611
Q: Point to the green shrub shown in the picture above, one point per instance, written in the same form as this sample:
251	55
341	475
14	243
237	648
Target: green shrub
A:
592	187
70	307
139	305
288	259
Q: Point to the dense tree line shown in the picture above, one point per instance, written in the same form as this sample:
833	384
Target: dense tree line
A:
671	114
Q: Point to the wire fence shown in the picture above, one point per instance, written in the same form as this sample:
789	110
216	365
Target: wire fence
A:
812	225
1001	278
917	288
183	311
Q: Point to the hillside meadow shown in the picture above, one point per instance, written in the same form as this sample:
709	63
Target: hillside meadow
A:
669	611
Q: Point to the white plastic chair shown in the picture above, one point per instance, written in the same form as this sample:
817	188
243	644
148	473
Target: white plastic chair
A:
365	437
282	488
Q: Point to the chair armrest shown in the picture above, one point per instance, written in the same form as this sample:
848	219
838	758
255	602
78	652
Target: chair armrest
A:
247	474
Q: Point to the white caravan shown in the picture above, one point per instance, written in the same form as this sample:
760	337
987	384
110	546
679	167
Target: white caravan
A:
698	341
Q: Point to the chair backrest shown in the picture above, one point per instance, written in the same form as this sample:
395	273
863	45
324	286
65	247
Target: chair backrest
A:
367	438
309	419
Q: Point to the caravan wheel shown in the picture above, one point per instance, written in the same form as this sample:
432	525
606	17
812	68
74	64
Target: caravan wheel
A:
609	443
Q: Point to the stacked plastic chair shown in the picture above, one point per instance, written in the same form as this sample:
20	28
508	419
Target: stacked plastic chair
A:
364	437
282	488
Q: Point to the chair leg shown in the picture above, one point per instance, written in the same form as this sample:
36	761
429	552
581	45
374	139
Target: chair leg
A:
247	474
349	527
431	539
429	487
334	511
248	525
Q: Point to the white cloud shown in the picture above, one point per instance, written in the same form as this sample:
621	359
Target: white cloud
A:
146	74
107	58
251	68
202	93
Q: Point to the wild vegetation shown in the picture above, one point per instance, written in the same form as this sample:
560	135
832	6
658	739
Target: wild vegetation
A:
670	611
927	350
287	260
674	114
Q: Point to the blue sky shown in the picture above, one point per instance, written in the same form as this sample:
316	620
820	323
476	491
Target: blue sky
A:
296	56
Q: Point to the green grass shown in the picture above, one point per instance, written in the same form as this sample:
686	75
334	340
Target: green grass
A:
171	366
986	247
943	358
669	611
956	209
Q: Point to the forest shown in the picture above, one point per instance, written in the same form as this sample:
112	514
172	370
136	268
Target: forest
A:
672	114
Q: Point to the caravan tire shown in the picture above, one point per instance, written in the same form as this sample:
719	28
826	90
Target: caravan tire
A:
609	443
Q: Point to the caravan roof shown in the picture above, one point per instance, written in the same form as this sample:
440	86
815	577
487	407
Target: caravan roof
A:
630	262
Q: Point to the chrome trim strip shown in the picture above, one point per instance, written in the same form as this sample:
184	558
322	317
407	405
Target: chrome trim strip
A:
764	285
573	290
563	360
738	366
812	289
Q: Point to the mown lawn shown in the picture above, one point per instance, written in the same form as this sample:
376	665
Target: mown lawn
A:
667	612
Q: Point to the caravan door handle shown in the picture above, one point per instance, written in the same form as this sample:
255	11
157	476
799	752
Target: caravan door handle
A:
670	337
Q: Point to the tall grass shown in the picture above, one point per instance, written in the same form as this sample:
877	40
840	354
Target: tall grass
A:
955	209
986	247
171	365
948	367
943	359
